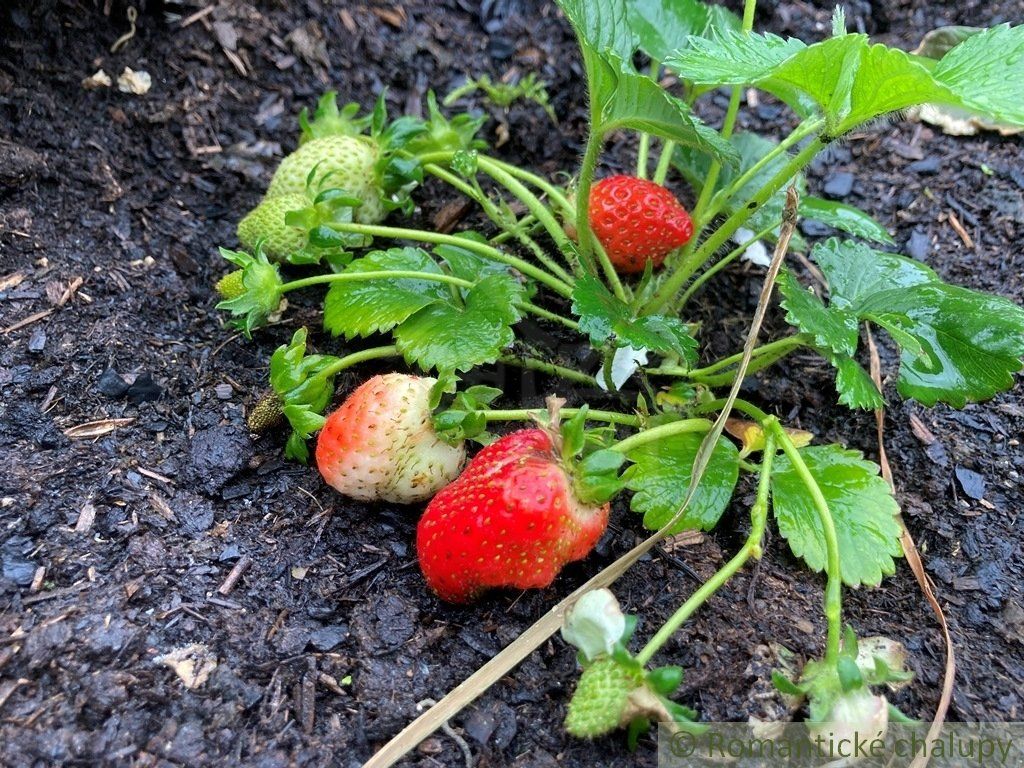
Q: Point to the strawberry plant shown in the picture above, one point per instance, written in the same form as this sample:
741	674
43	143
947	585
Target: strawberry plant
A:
614	263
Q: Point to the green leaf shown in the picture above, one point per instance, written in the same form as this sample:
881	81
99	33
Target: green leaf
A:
662	26
832	329
862	508
621	98
449	337
466	264
604	317
660	477
854	384
850	80
846	218
958	345
979	72
359	308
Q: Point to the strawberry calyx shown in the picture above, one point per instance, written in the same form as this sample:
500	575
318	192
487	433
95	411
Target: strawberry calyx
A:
328	120
593	468
259	294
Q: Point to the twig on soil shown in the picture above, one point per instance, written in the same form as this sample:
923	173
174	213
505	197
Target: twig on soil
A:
914	561
959	229
236	573
450	732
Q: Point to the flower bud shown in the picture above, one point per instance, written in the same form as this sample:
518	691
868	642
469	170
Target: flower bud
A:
594	624
857	715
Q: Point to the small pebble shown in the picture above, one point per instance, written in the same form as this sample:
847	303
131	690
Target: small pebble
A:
111	384
919	245
224	391
927	166
839	185
37	340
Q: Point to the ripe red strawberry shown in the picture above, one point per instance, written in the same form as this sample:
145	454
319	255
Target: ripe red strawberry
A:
637	221
380	443
512	519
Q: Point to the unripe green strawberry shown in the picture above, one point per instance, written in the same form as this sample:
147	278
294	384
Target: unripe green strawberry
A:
344	162
266	414
601	698
266	222
231	286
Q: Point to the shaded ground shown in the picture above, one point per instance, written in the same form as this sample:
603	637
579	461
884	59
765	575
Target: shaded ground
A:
113	548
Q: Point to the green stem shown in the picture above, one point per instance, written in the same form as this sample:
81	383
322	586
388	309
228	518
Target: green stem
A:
375	353
350	277
641	155
558	286
720	265
664	161
834	585
527	198
557	196
652	435
691	264
803	130
609	272
584	235
741	405
533	364
526	414
751	548
533	309
495	215
784	345
585	239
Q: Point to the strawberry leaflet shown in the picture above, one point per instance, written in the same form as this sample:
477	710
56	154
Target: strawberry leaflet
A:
375	306
660	478
459	335
957	345
605	318
861	505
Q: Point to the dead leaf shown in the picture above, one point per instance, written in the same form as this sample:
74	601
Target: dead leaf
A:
95	428
131	81
954	121
751	435
98	80
193	664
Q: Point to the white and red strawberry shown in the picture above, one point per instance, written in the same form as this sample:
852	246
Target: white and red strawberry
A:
380	443
512	519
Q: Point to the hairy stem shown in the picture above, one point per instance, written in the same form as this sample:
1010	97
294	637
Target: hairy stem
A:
492	211
542	366
652	435
355	277
526	414
691	264
721	264
774	349
664	162
584	235
834	584
558	286
374	353
535	206
751	548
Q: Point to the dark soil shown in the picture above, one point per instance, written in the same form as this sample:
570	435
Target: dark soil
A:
113	547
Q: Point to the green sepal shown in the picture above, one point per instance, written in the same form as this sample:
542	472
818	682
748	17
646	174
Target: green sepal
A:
849	673
328	120
665	680
596	478
262	292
